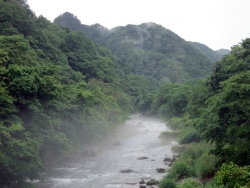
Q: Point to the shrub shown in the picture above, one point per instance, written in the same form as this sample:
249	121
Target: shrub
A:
178	148
193	151
206	165
176	123
189	135
212	184
190	183
181	170
232	176
167	183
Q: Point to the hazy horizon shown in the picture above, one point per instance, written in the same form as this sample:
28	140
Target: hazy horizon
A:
217	24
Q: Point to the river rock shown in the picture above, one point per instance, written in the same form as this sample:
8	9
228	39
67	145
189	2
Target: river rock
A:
161	170
167	159
88	153
142	182
152	182
126	171
142	158
131	183
143	186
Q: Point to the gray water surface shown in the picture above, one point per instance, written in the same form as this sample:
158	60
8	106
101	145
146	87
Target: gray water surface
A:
138	137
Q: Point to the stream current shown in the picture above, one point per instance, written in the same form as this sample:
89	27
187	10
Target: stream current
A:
137	138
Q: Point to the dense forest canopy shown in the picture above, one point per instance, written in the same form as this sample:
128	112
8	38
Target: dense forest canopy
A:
215	111
212	55
58	90
148	49
222	51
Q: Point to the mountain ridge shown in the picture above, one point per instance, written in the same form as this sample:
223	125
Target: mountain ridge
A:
148	48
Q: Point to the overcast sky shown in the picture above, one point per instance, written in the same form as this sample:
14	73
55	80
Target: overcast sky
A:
215	23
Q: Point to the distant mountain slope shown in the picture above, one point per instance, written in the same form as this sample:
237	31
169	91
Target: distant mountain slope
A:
223	51
148	49
211	54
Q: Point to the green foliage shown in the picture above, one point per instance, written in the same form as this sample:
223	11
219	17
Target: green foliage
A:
194	151
235	62
144	106
223	51
217	111
68	18
190	183
189	135
194	161
176	123
180	170
233	176
16	18
148	49
227	114
19	156
58	90
16	50
206	165
212	55
6	103
167	183
218	107
171	100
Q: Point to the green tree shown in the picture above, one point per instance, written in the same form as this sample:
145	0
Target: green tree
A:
19	152
171	100
235	62
228	119
19	156
16	18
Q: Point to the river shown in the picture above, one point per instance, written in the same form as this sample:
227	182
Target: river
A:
137	138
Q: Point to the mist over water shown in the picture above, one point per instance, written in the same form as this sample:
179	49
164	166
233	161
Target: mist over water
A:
137	138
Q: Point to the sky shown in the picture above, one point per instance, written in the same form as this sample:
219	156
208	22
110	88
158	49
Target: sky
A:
215	23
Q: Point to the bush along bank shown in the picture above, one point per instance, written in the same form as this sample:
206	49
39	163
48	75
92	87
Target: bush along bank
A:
212	120
196	167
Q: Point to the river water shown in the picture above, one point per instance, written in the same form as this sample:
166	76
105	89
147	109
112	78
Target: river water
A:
137	138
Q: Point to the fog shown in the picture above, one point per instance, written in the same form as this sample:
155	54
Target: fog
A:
119	152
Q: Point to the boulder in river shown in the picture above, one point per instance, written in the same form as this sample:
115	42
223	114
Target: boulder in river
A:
142	158
126	171
167	159
131	183
152	182
143	186
142	182
161	170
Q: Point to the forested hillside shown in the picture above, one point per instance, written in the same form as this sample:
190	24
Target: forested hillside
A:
58	90
212	55
211	119
222	51
148	49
